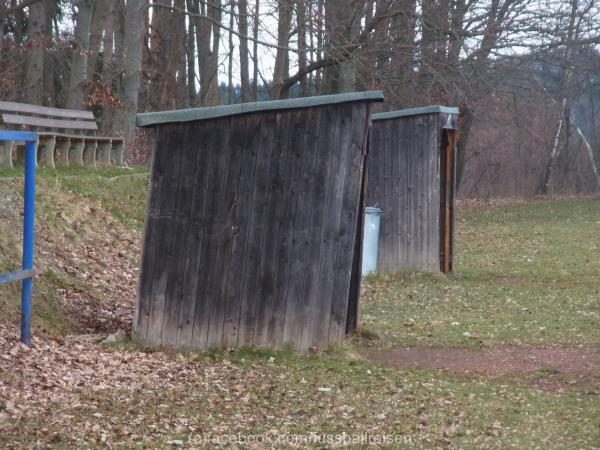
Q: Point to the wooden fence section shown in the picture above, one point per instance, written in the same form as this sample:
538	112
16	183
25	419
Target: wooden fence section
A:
411	176
252	225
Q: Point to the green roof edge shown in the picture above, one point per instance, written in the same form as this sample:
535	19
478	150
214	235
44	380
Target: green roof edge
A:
187	115
432	109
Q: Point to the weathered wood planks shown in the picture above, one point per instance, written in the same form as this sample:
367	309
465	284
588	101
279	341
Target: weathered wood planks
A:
253	228
407	178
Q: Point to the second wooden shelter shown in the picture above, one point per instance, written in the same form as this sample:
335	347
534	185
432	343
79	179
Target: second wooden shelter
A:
254	223
411	176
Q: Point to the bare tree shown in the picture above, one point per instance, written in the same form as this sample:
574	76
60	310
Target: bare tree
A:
191	63
456	52
230	55
101	19
255	29
178	57
207	17
302	51
244	64
572	35
34	71
342	28
135	13
79	62
281	66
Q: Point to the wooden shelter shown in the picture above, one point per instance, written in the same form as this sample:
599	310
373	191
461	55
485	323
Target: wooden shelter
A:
254	223
411	176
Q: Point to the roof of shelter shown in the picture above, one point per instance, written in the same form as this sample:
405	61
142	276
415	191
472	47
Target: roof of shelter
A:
187	115
415	111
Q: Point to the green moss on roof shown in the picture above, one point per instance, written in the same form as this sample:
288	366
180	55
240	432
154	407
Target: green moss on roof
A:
432	109
187	115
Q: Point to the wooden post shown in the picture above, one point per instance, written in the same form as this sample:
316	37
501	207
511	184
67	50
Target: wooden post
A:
448	201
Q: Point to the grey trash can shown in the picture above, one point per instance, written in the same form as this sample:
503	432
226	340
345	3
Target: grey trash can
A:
371	240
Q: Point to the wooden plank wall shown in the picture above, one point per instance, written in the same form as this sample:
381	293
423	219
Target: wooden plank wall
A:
404	180
251	229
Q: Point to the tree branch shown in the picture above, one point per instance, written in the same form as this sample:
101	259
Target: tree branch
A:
219	24
345	52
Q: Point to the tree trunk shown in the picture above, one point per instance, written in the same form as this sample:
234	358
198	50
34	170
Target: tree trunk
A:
320	44
342	26
347	72
564	104
100	21
108	69
379	66
302	56
244	64
78	81
255	24
555	149
312	35
442	31
21	22
230	56
427	34
34	69
465	122
456	38
212	75
135	12
281	56
119	38
208	55
403	38
178	50
2	24
590	154
51	11
331	43
203	28
158	66
191	63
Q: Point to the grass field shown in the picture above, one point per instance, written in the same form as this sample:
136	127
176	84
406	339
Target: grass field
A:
526	276
525	273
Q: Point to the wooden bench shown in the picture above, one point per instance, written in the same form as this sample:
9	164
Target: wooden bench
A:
66	136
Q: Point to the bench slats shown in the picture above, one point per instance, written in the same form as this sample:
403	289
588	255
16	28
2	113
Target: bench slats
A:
59	141
45	110
16	119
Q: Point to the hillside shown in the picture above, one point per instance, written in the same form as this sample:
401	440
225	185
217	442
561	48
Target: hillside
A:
88	228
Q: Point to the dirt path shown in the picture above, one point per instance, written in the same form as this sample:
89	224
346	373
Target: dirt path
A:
493	361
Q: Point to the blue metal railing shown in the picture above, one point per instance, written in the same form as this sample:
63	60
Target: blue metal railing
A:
27	272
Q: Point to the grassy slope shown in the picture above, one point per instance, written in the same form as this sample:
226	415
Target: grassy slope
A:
82	219
525	273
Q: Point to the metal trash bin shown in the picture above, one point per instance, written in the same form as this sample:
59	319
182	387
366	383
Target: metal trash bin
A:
371	240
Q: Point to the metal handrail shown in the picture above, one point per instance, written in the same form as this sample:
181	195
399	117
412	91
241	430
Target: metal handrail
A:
26	274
